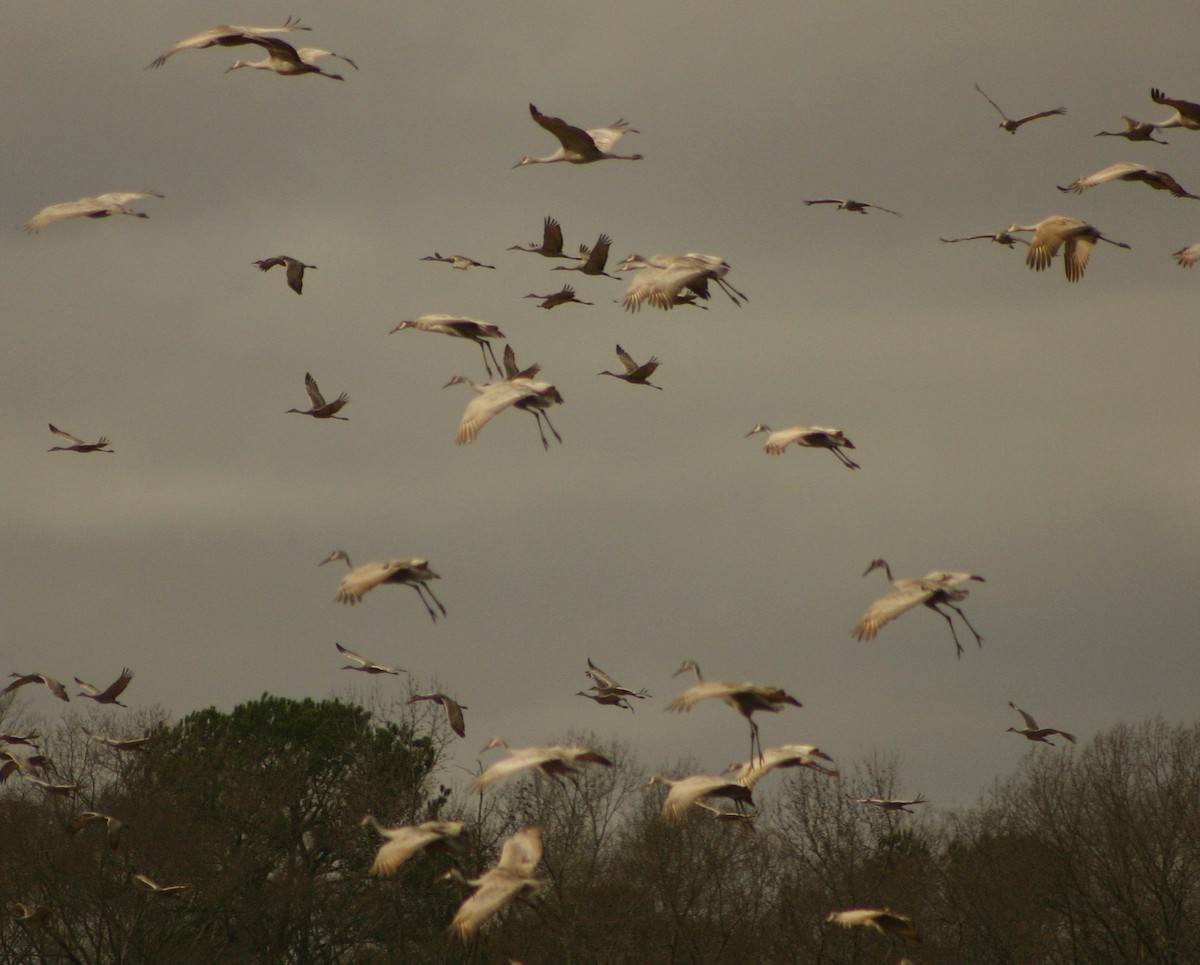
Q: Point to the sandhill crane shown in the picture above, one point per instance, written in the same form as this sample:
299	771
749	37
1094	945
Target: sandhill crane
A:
686	791
27	740
1187	114
1000	237
52	685
120	743
1134	131
884	921
891	804
1032	732
563	296
847	204
1128	171
494	397
513	371
155	888
363	664
604	683
745	698
101	206
454	710
813	437
295	270
110	693
934	590
1188	256
593	260
461	262
578	146
33	915
635	374
414	572
1076	237
225	35
19	765
789	755
511	878
606	698
401	843
112	825
552	242
1011	125
554	761
289	61
662	279
50	787
78	445
469	328
320	408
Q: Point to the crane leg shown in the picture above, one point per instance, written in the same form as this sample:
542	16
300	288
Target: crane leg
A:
978	638
492	352
422	586
417	587
483	347
545	441
845	461
551	425
731	291
946	616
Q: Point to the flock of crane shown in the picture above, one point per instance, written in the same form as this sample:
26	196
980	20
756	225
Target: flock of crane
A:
664	282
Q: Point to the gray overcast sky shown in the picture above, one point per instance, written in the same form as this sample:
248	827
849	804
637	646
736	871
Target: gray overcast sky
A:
1039	433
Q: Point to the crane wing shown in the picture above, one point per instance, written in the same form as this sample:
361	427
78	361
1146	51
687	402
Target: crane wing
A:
887	608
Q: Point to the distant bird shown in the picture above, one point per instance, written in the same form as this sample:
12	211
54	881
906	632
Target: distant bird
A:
884	921
225	35
891	804
746	698
661	280
288	61
320	408
1000	237
461	262
51	788
78	445
934	590
402	843
110	693
789	755
52	685
414	572
101	206
147	882
563	296
494	397
1187	114
606	684
1077	239
295	270
1188	256
635	374
511	878
686	791
554	761
552	242
1011	125
512	371
33	915
606	698
1128	171
1134	131
1032	732
362	663
112	825
120	743
578	146
593	260
454	710
846	204
813	437
468	328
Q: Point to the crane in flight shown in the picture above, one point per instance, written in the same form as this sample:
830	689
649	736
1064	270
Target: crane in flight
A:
414	572
934	590
288	61
320	408
1011	125
578	146
552	242
294	267
848	204
1032	732
1074	236
813	437
225	35
101	206
471	329
77	444
635	374
1129	171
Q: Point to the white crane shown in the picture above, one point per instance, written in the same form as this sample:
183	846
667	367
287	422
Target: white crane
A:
1011	125
635	374
155	888
564	296
685	791
77	444
121	743
110	693
364	665
848	204
578	146
455	326
112	825
745	698
662	279
1134	131
402	843
554	761
1076	237
934	590
1188	256
295	270
52	685
788	755
813	437
414	572
1129	171
225	35
1032	732
552	242
320	408
999	237
289	61
493	398
1187	114
511	878
892	804
461	262
591	260
454	710
101	206
881	920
